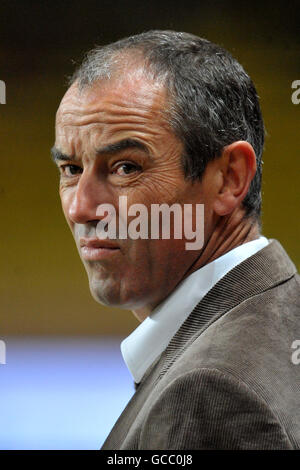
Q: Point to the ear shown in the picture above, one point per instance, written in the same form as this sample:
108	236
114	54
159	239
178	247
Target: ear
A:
238	167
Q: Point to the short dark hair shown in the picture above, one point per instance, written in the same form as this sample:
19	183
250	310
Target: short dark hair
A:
213	101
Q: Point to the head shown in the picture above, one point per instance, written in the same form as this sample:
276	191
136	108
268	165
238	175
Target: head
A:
161	117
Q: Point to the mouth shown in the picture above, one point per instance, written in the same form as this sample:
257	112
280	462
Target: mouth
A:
93	249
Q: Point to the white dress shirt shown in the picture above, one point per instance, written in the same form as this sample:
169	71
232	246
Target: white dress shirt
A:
152	336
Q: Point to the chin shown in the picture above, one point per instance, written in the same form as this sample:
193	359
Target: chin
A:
112	295
105	295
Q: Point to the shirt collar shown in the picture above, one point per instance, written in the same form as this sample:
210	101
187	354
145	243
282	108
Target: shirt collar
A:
152	336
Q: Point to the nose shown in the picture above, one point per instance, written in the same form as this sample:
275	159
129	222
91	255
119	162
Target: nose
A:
85	199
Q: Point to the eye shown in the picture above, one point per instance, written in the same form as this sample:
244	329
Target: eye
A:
126	168
70	170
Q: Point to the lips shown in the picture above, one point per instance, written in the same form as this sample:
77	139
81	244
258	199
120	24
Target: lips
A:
94	249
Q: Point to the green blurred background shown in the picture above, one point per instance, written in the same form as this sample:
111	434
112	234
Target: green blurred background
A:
44	288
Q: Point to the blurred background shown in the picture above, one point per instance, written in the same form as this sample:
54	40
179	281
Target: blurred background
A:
64	382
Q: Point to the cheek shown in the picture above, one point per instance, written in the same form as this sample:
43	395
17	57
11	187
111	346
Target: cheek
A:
154	260
157	187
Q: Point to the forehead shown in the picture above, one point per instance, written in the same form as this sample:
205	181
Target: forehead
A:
131	98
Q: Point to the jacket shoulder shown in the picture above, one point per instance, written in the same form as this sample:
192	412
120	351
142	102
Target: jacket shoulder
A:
209	409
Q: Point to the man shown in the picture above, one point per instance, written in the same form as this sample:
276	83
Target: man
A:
169	118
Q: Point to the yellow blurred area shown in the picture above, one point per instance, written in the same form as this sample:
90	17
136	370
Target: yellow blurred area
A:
44	288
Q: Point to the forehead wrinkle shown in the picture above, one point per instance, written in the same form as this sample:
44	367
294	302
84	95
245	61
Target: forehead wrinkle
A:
110	110
104	119
113	97
112	127
149	135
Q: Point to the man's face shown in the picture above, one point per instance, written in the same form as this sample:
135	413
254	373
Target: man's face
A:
145	166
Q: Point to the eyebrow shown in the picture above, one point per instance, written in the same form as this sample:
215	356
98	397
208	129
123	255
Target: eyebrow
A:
124	144
109	149
58	155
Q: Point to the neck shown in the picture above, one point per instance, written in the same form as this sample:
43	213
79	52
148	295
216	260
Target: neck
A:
228	233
